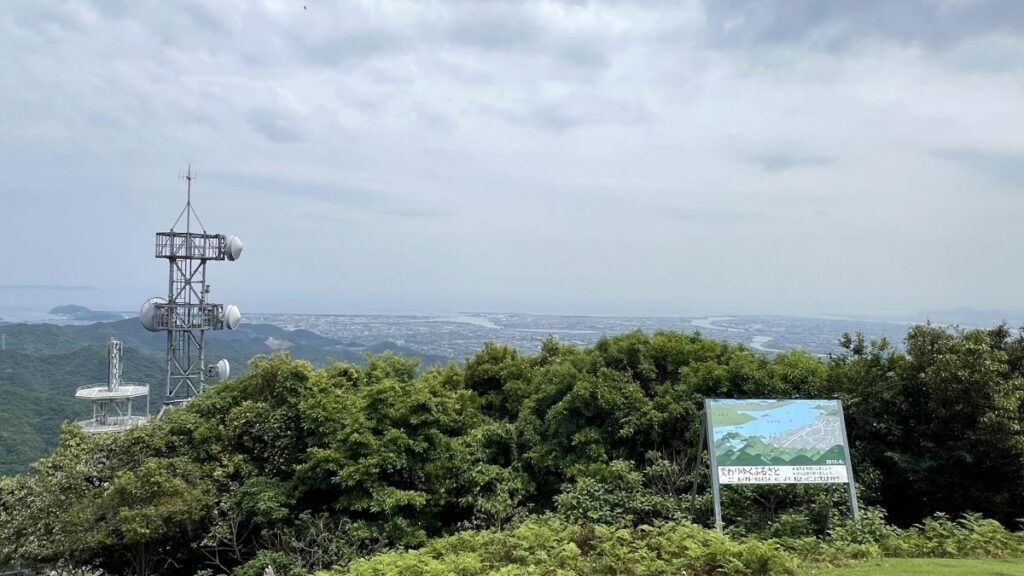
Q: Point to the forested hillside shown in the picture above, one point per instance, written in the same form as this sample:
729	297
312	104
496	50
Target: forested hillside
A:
43	364
37	395
580	460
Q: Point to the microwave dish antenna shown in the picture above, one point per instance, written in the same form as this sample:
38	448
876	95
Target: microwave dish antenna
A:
186	314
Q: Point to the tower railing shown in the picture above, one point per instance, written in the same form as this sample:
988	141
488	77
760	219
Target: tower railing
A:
188	316
191	245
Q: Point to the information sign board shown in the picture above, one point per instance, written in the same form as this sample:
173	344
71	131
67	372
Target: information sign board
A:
763	441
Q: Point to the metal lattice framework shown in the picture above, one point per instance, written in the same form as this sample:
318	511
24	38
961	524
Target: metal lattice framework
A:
187	314
113	402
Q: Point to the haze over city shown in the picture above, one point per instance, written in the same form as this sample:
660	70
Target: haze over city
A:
633	158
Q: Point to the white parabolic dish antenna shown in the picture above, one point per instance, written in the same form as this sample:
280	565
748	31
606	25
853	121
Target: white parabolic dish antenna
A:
233	248
148	313
232	316
221	370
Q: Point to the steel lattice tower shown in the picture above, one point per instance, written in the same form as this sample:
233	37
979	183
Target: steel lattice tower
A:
186	314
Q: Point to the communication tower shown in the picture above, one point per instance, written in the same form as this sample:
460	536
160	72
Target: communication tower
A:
112	402
186	314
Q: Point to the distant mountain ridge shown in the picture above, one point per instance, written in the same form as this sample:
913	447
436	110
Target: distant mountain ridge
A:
238	346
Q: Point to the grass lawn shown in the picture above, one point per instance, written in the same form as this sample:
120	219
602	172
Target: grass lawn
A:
929	567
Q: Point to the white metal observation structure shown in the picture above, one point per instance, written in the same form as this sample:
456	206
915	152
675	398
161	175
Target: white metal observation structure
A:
113	403
186	314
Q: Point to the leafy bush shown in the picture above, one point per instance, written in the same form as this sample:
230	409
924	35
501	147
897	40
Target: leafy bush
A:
871	529
283	564
969	537
328	465
937	537
551	546
607	494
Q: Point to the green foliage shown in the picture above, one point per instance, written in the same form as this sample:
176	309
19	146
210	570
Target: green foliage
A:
497	486
871	529
36	526
784	511
611	494
280	458
938	536
572	461
551	546
283	564
389	449
969	537
497	374
951	407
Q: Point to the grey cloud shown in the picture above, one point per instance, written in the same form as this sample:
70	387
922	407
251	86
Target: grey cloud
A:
275	125
584	54
838	25
577	109
516	28
171	22
572	113
991	54
781	161
493	27
1000	168
555	117
351	46
294	187
356	199
512	28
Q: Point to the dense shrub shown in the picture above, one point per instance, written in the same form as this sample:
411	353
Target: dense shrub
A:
319	467
969	537
551	546
283	565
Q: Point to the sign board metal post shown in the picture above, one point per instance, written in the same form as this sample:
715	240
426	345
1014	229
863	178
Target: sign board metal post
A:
715	495
851	486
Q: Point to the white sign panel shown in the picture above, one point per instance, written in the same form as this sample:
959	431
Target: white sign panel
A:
782	474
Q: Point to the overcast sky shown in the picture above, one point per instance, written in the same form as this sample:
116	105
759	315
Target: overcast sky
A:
645	157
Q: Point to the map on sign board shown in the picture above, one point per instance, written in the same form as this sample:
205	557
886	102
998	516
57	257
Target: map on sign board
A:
778	441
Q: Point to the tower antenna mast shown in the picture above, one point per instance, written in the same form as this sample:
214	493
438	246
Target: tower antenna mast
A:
186	314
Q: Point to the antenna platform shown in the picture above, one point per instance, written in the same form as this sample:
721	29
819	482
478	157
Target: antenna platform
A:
112	408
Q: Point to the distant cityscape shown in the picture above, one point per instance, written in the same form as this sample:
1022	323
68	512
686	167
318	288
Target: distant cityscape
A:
458	336
461	335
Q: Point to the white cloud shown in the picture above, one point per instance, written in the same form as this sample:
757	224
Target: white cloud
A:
605	157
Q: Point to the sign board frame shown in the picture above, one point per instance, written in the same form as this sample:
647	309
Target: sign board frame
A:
708	435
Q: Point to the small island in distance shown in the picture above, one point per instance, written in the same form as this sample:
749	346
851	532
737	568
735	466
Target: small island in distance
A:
78	313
